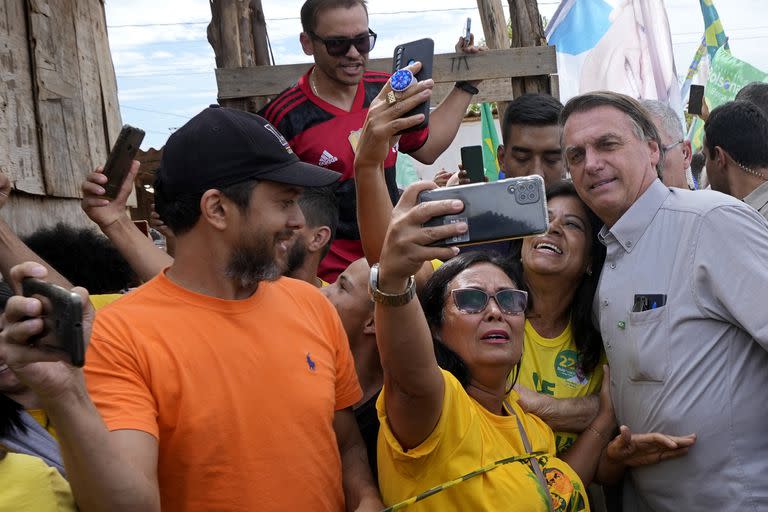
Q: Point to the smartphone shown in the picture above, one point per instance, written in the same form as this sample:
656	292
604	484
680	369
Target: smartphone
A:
120	158
62	319
695	99
143	226
467	32
494	211
422	51
472	162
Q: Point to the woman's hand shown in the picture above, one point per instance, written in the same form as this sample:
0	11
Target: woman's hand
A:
406	245
641	449
384	121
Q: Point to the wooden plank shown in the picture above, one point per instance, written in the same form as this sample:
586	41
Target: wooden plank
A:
496	36
19	150
61	114
515	62
109	102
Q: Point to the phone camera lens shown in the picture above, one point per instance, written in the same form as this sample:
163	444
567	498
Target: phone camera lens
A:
523	197
511	189
530	187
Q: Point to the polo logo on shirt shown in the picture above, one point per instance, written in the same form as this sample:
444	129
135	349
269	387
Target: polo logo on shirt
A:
311	363
327	159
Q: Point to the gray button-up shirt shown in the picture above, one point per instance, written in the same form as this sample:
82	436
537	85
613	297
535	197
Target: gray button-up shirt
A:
699	363
758	199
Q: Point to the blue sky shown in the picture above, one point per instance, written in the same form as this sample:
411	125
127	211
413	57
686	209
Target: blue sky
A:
165	66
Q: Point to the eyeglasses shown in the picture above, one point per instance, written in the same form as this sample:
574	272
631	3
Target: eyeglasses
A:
670	146
473	300
339	46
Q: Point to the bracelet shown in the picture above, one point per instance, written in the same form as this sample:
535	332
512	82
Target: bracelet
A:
596	432
467	87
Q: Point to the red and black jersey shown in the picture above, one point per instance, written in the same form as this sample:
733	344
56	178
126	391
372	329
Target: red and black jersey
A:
325	135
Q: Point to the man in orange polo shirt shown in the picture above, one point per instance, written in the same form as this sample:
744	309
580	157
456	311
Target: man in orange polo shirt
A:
221	386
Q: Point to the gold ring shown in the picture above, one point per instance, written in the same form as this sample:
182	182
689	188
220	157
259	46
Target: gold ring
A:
391	98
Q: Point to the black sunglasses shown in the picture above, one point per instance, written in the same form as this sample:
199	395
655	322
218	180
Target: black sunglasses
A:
339	46
472	300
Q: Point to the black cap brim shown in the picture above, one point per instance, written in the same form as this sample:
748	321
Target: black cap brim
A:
301	174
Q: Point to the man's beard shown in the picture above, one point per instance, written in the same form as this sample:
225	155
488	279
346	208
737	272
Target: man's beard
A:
255	262
296	257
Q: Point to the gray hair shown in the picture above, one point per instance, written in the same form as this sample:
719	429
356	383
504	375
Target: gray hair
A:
643	125
669	121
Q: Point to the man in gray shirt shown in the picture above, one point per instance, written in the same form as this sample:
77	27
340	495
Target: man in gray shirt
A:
736	148
681	308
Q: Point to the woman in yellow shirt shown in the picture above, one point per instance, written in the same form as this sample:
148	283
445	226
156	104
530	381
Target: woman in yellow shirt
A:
445	409
31	485
561	368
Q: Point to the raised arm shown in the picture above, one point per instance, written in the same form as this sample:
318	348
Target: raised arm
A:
412	380
379	135
144	257
107	471
13	251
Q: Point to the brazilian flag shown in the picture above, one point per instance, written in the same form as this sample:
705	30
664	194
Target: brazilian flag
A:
490	142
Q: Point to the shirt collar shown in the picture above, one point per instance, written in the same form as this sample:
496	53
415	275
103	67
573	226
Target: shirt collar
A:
631	226
758	198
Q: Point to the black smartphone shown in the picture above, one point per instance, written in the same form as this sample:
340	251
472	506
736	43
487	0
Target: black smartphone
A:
494	211
62	319
422	51
472	162
467	32
120	158
695	99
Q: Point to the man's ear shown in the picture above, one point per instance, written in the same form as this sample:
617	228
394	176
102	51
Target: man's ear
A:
370	326
500	157
306	43
215	209
320	238
655	152
687	153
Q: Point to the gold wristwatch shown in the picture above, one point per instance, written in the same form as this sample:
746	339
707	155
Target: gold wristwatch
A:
390	299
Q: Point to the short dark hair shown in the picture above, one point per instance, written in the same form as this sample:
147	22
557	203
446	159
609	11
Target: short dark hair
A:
84	257
589	343
644	127
435	293
311	8
757	93
320	208
182	212
698	160
530	110
741	129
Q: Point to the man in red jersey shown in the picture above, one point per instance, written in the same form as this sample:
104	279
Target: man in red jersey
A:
323	113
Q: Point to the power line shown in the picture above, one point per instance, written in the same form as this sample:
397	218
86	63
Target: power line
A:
140	109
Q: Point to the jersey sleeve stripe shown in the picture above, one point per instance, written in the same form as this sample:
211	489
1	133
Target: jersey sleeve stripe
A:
284	112
278	103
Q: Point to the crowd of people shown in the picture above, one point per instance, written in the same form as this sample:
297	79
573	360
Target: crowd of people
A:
303	344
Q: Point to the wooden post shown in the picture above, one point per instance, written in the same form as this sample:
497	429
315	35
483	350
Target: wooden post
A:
496	37
238	35
527	30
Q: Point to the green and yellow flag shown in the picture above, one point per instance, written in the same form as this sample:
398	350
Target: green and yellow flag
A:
713	28
490	142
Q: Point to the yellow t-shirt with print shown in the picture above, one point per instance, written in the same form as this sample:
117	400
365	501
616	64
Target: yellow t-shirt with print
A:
29	484
467	436
549	366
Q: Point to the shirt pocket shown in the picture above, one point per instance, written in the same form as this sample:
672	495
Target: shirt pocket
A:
649	356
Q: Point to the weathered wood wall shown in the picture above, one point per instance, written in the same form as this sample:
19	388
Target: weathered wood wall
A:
59	112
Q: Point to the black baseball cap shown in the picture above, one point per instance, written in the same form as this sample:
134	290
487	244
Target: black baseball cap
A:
221	146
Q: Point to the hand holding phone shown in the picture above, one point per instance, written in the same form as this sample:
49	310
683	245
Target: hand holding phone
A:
495	211
406	54
121	157
62	319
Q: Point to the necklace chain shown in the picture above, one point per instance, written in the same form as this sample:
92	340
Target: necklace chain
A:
312	82
751	171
